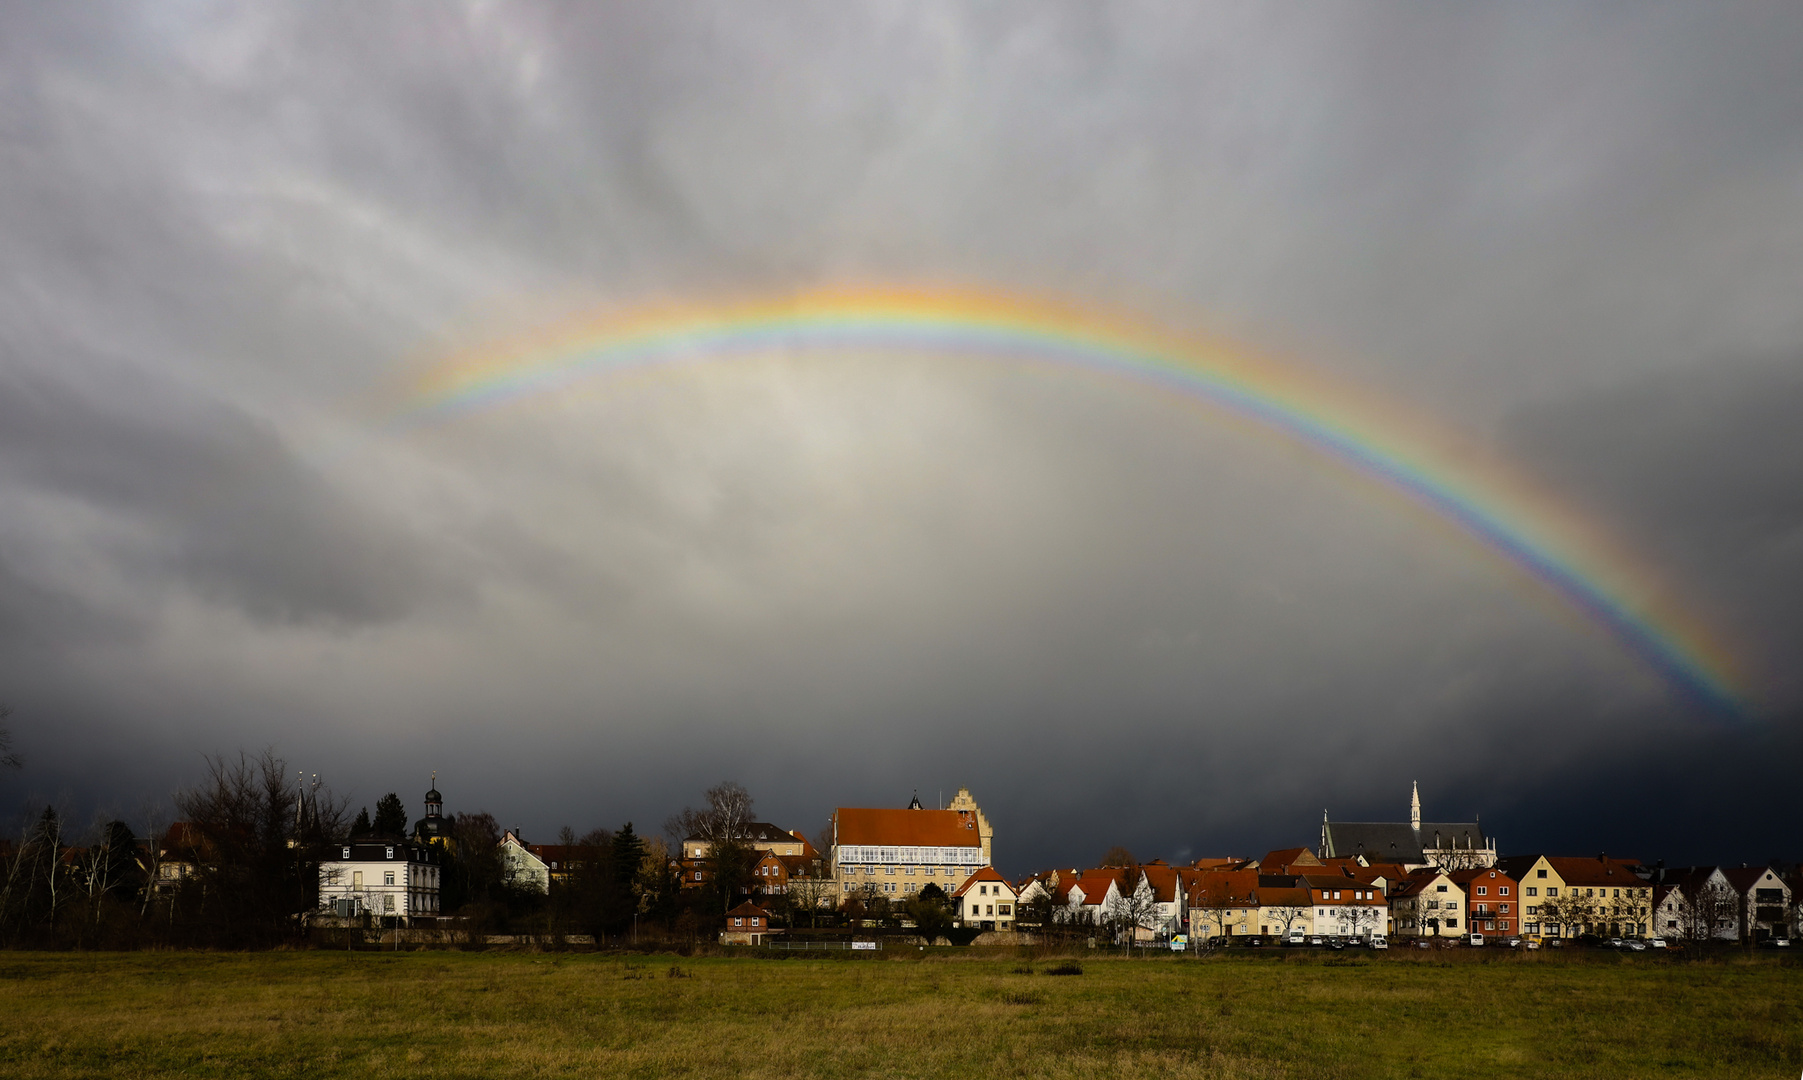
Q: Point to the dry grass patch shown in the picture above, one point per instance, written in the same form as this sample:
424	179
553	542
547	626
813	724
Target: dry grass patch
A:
453	1015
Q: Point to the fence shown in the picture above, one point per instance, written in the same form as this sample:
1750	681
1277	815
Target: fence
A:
825	946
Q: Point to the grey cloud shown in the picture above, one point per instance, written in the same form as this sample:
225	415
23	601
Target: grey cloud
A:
208	494
227	231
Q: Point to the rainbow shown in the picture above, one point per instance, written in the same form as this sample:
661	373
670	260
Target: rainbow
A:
1481	499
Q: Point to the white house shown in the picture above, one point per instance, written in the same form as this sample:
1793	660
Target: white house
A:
387	878
1092	898
519	866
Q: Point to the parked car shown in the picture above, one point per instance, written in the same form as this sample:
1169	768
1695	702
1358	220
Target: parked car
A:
1255	943
1557	943
1296	938
1316	942
1336	943
1513	943
1777	943
1634	946
1423	943
1379	943
1615	943
1532	943
1474	939
1657	943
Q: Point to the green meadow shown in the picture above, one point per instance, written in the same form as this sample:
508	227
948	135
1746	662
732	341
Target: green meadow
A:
942	1013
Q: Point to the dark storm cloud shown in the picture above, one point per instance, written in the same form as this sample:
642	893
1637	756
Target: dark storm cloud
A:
1564	231
205	493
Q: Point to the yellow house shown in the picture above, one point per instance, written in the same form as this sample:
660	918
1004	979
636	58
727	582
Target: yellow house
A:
1565	896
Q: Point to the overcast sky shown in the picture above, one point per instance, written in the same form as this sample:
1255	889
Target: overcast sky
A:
1573	234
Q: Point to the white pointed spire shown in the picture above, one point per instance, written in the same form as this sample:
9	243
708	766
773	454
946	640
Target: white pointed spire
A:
1415	808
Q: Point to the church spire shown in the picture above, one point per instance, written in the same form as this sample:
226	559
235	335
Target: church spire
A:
1415	808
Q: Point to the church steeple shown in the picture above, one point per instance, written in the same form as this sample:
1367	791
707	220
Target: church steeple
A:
1415	809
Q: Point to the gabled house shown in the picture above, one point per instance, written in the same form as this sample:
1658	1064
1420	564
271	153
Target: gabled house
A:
1764	901
1170	897
1427	903
1696	903
1565	896
985	900
1091	898
1492	901
520	867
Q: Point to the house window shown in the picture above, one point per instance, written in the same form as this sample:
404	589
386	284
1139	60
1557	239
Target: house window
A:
1540	873
1481	891
1452	924
930	872
982	890
1439	888
1502	890
910	871
347	851
388	902
1004	909
356	879
388	878
1552	891
391	853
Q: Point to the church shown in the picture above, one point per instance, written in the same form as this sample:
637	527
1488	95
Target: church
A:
1457	845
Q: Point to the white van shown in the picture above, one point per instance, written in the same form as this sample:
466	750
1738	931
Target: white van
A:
1297	937
1474	939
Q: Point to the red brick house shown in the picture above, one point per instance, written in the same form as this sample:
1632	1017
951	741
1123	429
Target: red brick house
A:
1492	901
746	924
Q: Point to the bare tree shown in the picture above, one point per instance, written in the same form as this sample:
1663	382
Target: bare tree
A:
727	813
261	836
1363	920
1133	908
1284	916
1215	908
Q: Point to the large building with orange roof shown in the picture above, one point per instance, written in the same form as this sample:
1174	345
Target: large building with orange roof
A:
894	853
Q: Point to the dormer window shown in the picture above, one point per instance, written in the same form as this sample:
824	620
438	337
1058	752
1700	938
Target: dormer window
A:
347	851
391	852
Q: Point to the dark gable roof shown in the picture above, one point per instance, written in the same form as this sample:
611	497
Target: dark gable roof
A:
1442	835
1388	841
1395	841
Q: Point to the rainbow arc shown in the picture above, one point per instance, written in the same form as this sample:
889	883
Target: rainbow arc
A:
1545	539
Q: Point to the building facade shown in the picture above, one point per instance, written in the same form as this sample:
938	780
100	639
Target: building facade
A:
386	878
895	853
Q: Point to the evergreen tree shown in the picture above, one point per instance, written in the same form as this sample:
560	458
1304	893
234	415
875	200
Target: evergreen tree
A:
628	852
391	816
362	827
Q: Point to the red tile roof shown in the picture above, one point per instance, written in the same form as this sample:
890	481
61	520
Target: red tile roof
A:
1222	885
1279	861
907	828
987	876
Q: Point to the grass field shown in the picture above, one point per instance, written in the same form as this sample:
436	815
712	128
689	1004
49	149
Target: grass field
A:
446	1014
